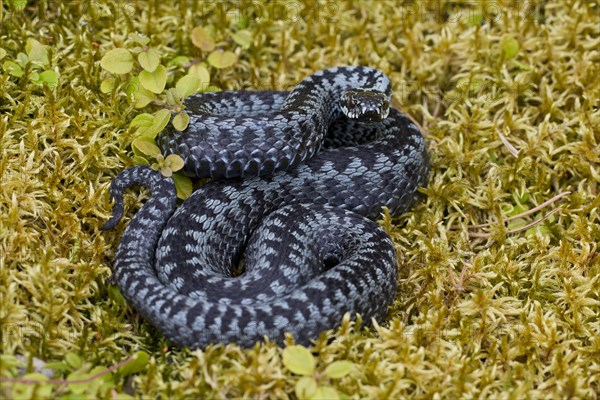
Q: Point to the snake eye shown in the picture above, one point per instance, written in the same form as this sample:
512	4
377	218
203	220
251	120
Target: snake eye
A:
364	105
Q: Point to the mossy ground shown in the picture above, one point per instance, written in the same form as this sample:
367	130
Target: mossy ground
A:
481	312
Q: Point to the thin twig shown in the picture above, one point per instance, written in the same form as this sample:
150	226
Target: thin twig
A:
509	146
524	213
66	381
534	223
436	109
186	65
517	230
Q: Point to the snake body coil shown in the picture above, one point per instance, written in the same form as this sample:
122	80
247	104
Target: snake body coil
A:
310	169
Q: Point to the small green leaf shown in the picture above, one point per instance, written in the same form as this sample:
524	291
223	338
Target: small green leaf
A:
339	369
41	390
305	387
201	39
299	360
77	388
58	366
144	120
188	85
2	53
73	360
149	60
22	59
146	146
221	59
139	160
173	97
516	223
242	20
151	125
142	40
8	362
211	88
178	61
522	197
91	386
161	119
13	68
117	61
107	85
141	96
181	121
325	393
541	230
143	100
201	72
243	38
154	81
115	294
474	19
510	46
174	161
517	209
138	364
34	76
167	172
183	185
44	391
49	77
37	52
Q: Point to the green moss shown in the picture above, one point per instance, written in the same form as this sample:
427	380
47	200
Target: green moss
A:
480	312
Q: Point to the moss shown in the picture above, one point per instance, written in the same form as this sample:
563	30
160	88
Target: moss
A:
481	311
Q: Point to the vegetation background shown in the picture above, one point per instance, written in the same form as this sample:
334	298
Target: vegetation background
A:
499	265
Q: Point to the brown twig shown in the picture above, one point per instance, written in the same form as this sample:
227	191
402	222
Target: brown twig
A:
509	146
437	108
516	230
523	214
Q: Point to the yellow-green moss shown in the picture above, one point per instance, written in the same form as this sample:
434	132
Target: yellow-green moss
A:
489	315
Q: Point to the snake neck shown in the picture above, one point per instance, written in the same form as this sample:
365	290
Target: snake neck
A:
363	94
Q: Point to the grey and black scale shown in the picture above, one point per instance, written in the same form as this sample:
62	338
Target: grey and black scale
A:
299	178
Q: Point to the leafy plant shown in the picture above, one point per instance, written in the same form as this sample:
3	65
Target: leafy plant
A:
141	72
34	64
82	380
314	384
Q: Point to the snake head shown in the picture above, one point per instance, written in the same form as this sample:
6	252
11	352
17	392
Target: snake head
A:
365	105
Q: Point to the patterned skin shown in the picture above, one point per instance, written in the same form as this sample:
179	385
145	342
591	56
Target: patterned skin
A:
302	228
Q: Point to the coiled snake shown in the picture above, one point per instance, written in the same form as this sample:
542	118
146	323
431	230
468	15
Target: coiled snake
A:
308	172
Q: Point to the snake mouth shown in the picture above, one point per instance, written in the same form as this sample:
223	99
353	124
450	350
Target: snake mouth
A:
364	105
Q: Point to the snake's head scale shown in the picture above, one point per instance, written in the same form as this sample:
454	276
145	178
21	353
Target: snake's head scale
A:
365	105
